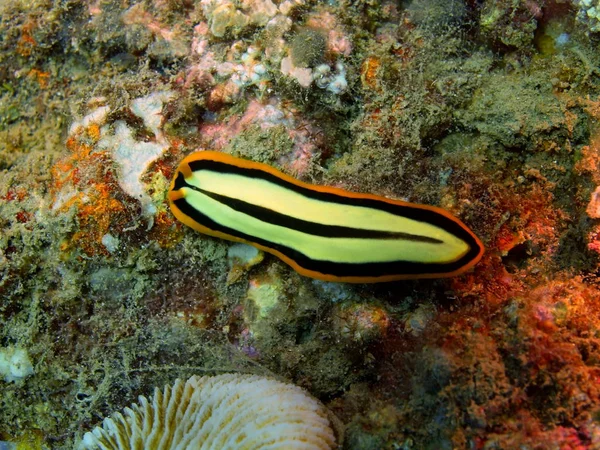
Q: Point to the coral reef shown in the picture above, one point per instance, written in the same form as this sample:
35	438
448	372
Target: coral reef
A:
488	109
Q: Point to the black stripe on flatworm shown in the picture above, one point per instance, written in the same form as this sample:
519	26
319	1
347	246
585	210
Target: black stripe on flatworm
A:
377	269
410	212
334	231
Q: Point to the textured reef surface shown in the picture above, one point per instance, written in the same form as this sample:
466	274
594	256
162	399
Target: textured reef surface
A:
489	109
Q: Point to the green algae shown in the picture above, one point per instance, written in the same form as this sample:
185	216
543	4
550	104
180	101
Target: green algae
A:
264	145
307	48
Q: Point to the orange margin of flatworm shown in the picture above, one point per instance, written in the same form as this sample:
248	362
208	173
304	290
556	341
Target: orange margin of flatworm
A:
247	164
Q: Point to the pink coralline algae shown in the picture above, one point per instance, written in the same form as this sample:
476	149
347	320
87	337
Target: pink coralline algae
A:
303	135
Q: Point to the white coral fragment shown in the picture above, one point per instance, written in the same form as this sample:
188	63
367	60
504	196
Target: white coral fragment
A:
15	364
134	157
97	117
149	109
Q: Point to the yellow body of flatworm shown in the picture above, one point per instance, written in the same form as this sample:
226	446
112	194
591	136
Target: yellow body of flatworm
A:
322	232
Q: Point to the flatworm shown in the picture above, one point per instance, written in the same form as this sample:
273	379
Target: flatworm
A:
322	232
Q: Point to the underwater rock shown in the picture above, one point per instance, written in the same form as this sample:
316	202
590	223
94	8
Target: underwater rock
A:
589	13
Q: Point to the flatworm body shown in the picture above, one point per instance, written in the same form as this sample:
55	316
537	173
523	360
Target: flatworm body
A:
322	232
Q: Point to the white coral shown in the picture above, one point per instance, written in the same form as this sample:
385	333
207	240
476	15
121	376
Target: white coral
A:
224	412
134	157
